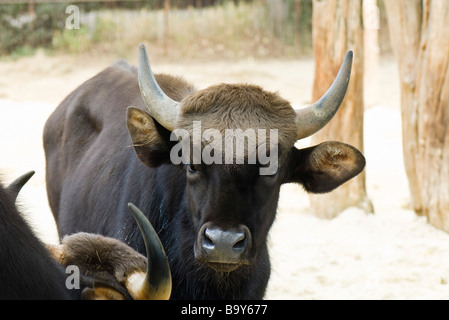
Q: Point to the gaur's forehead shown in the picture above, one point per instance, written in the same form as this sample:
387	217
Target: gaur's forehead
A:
244	98
239	106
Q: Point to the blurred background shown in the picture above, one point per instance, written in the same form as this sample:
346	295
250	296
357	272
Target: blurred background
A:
175	29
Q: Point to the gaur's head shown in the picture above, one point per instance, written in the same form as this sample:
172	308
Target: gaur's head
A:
235	144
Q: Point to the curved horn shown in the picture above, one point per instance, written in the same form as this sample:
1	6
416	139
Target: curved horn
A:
162	108
156	285
313	118
17	184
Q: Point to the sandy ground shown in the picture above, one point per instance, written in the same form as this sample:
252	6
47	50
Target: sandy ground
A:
392	254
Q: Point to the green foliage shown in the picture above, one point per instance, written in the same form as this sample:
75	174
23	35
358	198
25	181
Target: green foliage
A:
9	37
73	41
218	28
19	28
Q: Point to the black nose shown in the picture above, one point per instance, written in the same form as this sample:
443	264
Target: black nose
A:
225	246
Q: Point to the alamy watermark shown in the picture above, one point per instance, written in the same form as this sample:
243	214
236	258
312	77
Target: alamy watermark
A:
73	20
235	146
72	282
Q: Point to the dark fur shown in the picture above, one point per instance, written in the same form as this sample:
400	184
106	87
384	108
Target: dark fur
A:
26	269
93	172
29	271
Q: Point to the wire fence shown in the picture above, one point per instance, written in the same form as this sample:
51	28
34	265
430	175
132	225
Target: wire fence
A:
155	4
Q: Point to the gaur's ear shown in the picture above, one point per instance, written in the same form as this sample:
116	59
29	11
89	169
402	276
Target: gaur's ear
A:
324	167
150	140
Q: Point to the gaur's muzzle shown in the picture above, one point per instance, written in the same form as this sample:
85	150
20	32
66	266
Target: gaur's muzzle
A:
223	249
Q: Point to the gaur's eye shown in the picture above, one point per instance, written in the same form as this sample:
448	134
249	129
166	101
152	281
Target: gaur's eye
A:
191	168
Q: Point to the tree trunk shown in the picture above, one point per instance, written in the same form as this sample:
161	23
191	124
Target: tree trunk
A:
420	40
337	28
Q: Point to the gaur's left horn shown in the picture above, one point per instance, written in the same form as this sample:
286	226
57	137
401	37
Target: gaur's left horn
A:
161	107
313	118
156	285
15	186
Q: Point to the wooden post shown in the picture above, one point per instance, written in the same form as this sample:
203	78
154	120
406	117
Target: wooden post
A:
277	10
166	26
297	25
420	40
337	28
32	14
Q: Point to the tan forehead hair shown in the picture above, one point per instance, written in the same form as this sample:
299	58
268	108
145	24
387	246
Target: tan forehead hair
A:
239	106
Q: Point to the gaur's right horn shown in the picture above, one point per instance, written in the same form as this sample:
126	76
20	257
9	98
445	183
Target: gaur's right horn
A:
156	285
161	107
314	117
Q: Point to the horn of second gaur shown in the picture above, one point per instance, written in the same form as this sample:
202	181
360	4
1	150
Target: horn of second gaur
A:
17	184
156	284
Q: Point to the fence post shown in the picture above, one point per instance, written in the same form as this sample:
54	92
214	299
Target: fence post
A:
166	26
